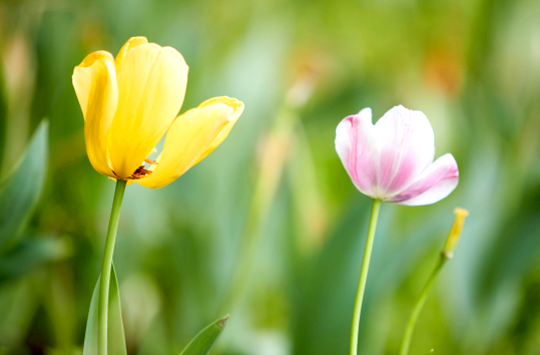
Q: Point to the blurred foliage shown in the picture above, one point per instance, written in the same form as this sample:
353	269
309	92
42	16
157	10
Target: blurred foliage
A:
203	342
473	66
19	193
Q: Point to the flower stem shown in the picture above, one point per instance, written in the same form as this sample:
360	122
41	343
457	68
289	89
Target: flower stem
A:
270	173
363	276
106	267
406	342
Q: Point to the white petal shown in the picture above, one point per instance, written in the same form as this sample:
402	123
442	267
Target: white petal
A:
407	148
356	145
434	184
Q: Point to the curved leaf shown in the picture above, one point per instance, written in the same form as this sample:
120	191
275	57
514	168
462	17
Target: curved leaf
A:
115	335
205	340
31	253
20	192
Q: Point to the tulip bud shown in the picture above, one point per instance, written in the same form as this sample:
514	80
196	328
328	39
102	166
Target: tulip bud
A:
455	233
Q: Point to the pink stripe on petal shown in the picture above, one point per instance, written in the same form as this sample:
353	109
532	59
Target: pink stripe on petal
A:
357	148
434	184
407	148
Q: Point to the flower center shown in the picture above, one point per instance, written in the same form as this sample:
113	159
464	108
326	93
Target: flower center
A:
142	171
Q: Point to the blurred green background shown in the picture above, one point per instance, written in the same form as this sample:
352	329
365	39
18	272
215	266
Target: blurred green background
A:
275	189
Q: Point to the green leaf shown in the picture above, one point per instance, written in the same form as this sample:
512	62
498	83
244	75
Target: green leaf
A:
115	336
31	253
3	121
20	192
205	340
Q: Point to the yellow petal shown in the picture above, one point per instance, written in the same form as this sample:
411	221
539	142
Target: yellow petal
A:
238	108
95	84
190	136
151	87
130	44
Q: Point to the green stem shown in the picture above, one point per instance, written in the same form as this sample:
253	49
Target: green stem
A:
106	267
406	342
363	276
262	198
248	251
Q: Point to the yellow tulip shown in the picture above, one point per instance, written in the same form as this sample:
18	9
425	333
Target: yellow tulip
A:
131	101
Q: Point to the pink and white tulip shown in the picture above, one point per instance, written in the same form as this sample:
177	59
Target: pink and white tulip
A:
393	159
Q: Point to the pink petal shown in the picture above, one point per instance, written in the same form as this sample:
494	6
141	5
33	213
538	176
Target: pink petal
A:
356	145
434	184
406	142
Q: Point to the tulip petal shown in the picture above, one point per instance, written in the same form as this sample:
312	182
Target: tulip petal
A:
95	84
406	143
151	85
238	108
191	136
434	184
357	147
130	44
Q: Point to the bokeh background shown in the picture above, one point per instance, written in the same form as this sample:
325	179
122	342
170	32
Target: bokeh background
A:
273	201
